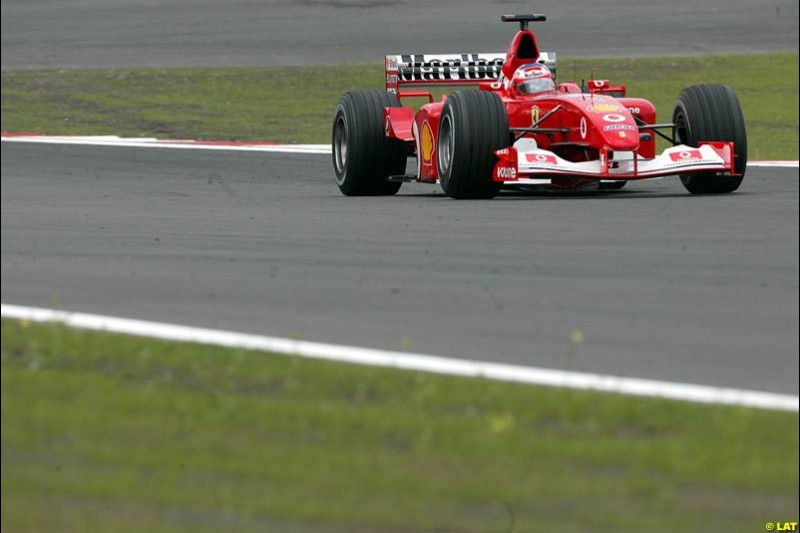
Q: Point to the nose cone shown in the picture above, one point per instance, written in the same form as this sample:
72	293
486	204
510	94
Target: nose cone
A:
615	125
622	137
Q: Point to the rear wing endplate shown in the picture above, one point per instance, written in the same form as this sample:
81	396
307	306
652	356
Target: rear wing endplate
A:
449	69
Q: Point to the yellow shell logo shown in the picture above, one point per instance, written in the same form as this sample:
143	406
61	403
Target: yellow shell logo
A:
604	108
426	143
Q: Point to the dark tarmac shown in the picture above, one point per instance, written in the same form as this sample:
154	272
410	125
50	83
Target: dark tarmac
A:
661	284
81	34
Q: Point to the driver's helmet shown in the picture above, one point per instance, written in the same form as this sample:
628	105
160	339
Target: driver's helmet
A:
533	78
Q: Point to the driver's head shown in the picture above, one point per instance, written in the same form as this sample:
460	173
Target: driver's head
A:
533	78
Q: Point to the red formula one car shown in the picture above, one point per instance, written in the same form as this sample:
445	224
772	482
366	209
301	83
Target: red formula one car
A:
522	129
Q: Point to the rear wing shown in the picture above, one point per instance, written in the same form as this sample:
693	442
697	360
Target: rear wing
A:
449	69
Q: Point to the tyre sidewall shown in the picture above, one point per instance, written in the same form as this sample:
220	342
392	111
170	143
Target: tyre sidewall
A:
343	113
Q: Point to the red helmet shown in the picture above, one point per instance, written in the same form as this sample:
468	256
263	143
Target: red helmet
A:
533	78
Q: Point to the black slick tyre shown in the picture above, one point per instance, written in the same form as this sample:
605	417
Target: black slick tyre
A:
711	113
473	124
363	157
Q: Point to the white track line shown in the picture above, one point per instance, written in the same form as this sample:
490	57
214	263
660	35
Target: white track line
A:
147	142
411	361
179	145
777	164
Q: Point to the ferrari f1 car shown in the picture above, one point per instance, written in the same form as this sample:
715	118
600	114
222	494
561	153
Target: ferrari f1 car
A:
522	129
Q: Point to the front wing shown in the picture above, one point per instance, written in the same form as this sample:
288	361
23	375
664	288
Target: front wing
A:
525	164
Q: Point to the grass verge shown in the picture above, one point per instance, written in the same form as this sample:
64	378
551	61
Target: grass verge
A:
106	432
295	104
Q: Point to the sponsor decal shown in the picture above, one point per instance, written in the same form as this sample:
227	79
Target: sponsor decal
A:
617	127
583	127
622	134
541	159
634	110
613	117
535	114
391	63
391	79
426	143
603	108
599	83
508	173
530	72
686	155
420	67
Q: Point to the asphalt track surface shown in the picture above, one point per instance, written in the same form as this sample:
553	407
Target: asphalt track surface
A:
662	285
48	34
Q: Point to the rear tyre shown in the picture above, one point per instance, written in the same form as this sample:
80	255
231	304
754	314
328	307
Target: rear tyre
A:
472	126
711	113
363	157
612	185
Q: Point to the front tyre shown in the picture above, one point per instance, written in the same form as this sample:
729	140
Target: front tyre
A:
472	126
363	157
711	113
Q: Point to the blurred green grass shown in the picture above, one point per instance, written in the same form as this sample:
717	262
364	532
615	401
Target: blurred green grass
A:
295	104
105	432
